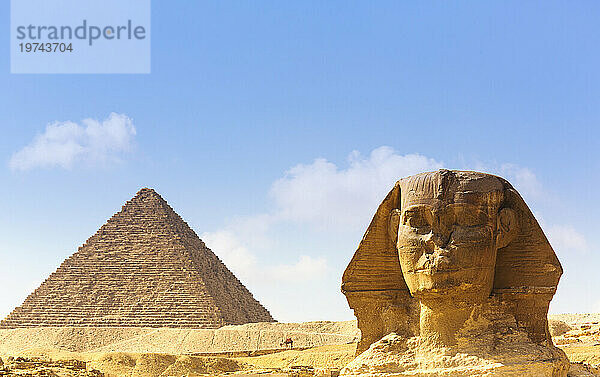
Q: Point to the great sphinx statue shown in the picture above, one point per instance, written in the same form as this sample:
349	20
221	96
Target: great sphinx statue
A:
454	277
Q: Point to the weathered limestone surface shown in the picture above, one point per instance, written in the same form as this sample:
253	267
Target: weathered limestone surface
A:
144	268
453	278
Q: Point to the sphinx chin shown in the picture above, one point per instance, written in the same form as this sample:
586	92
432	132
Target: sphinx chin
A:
448	285
441	292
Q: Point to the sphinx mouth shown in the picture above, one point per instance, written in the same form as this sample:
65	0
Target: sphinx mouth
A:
435	270
433	263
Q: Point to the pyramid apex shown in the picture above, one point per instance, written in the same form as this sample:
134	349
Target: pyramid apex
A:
145	195
146	189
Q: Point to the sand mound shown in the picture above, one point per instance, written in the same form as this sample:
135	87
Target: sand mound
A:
324	357
186	365
579	336
75	339
118	364
576	318
150	365
558	328
155	365
249	337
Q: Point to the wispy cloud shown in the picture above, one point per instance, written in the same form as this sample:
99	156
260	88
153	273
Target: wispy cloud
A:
324	195
566	238
523	179
65	144
245	265
236	256
562	237
321	195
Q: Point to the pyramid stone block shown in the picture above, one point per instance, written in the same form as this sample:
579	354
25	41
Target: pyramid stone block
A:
144	268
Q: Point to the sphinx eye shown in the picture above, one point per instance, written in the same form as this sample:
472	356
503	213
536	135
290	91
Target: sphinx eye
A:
417	218
471	217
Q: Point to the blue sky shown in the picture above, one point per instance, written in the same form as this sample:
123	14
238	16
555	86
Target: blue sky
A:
275	128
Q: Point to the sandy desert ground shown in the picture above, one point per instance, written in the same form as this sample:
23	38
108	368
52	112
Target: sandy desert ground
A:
320	348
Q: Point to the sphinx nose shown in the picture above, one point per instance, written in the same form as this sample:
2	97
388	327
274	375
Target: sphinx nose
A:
436	240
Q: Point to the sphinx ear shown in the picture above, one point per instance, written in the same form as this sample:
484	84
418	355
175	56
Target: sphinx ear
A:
393	224
506	228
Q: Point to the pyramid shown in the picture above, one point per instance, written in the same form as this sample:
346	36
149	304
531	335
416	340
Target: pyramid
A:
144	268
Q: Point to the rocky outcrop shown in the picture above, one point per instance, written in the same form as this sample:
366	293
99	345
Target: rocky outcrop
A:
558	328
580	341
512	356
144	268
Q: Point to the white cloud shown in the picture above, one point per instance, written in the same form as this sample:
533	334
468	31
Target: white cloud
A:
235	255
522	179
305	269
245	265
64	144
323	195
562	237
566	238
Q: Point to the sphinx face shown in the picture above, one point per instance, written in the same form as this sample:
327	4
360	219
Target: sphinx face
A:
447	249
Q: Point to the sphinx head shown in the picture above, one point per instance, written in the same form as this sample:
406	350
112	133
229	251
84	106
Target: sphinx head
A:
447	232
450	235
